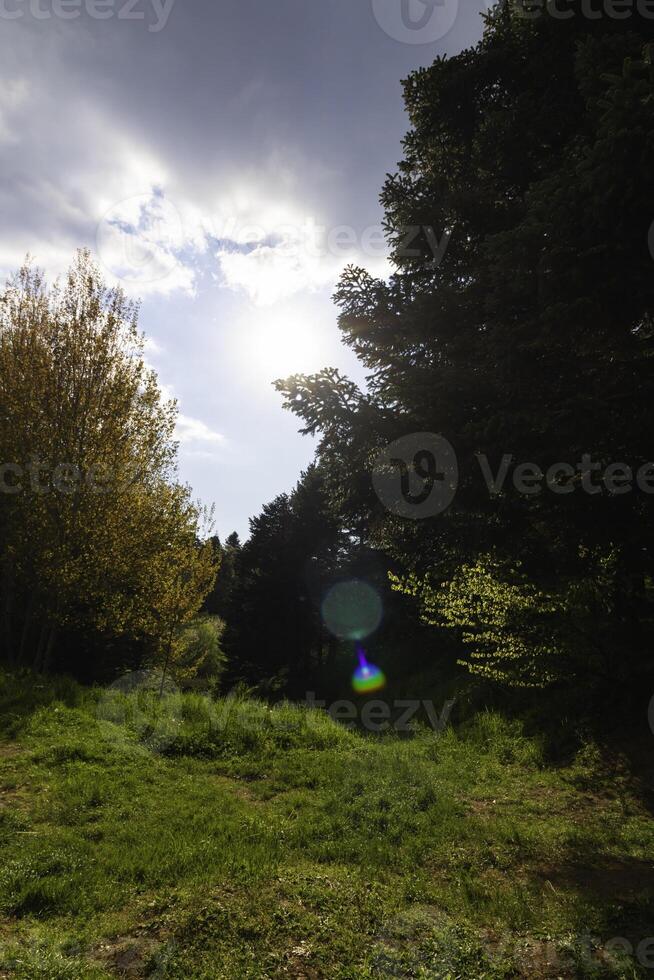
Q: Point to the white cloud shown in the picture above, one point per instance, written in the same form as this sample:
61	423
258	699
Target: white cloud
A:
13	95
194	436
150	346
190	431
89	182
277	253
269	273
97	182
139	241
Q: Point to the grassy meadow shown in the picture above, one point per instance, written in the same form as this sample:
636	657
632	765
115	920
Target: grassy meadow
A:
187	838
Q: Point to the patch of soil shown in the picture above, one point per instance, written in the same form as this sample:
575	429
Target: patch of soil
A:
616	879
139	955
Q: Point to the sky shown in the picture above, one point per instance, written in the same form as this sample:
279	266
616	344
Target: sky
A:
223	161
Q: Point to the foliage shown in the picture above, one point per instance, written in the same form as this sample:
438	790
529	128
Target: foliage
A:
532	338
513	632
218	601
281	572
94	527
198	653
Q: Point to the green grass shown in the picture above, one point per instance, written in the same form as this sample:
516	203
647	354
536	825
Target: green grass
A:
192	839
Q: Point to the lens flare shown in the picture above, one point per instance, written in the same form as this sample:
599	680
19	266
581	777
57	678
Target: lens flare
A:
352	610
367	678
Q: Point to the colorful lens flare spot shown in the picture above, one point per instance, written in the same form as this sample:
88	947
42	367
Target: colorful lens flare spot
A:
367	678
352	610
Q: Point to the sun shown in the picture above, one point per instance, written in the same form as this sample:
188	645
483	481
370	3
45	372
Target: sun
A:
277	344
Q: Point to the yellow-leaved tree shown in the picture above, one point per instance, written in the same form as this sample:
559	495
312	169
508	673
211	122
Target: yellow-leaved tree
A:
94	524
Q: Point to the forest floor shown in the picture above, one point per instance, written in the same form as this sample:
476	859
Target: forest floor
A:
189	839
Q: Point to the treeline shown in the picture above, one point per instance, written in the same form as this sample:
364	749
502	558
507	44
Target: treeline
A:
102	558
271	589
529	345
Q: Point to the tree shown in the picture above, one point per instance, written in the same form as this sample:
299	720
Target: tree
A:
533	336
513	632
218	602
92	520
274	625
199	657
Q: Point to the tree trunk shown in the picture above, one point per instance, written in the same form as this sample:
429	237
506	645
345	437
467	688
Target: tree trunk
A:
165	669
40	647
6	641
49	648
25	632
